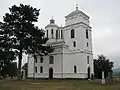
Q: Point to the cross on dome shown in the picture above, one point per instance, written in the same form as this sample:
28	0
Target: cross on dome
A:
76	6
52	20
52	17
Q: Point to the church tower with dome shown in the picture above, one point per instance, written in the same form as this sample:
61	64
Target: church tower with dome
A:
72	56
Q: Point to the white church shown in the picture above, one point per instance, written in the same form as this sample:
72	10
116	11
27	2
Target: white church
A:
72	56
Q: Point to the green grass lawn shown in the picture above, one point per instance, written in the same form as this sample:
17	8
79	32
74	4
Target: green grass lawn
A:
56	85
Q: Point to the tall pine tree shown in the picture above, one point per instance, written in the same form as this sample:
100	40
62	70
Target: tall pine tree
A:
6	53
24	35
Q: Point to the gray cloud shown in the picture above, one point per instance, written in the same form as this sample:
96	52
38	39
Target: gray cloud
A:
104	15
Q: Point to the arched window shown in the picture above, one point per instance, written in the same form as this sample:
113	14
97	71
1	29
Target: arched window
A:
74	44
41	59
72	33
75	69
51	60
87	33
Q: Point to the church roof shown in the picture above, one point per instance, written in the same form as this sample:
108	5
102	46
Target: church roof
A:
76	12
52	23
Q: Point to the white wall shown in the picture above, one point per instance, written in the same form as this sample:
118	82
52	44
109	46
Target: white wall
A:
76	57
56	67
49	32
79	37
64	63
71	60
54	34
89	40
30	66
76	19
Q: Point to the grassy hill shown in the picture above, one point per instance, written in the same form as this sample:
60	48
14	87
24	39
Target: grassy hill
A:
57	85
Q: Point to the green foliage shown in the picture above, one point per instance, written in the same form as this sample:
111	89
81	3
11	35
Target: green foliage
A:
21	33
102	64
10	69
6	53
19	24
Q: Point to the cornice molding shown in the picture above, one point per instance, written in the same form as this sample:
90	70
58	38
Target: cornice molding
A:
81	23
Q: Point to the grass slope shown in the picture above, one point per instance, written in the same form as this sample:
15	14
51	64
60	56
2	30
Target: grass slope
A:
56	85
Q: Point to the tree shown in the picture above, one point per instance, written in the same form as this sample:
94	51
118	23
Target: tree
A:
102	64
11	69
6	54
24	35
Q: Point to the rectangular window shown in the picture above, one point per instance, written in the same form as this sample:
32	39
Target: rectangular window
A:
51	33
47	33
35	69
41	69
87	59
61	34
72	33
87	44
56	34
87	33
41	60
75	69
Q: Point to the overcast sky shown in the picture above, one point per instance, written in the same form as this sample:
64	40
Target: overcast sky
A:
104	17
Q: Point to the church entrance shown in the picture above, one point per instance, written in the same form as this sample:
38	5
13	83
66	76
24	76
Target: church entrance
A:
50	73
88	72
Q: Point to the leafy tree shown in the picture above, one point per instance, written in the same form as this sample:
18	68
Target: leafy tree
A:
102	64
24	35
11	69
6	54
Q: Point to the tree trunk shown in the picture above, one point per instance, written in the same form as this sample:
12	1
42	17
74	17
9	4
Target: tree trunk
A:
19	64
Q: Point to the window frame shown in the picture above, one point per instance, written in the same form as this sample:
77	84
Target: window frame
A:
51	60
87	34
56	34
41	69
52	33
75	69
74	43
87	44
61	34
41	59
88	59
72	33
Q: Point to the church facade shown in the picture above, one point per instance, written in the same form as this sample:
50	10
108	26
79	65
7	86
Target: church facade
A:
72	56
